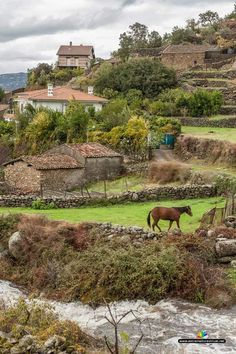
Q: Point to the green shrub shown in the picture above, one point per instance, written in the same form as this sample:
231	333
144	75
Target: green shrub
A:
39	204
204	103
166	125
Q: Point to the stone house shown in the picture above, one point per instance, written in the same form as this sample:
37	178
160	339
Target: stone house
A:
99	161
63	168
33	174
184	56
57	98
75	56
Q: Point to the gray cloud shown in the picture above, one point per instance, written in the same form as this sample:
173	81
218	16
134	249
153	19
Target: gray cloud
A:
34	30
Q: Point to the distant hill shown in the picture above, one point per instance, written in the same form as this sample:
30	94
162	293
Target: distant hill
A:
13	81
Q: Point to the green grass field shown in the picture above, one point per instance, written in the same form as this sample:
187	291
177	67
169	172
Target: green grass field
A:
127	214
119	185
228	134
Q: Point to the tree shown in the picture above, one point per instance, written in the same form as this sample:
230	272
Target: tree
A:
114	114
2	94
147	75
181	35
39	75
46	130
77	120
137	37
154	40
209	18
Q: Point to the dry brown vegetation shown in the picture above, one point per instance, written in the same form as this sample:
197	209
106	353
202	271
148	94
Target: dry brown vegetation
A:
168	172
70	262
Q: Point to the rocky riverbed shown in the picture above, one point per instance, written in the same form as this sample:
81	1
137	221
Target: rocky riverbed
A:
162	324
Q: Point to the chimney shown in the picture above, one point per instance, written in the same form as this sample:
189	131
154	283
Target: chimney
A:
50	90
90	90
70	44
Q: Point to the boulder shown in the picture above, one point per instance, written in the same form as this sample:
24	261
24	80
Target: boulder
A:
15	245
233	263
226	248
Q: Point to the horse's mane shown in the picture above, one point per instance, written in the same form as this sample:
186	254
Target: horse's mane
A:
181	209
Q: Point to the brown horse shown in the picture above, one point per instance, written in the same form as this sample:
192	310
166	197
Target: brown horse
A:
171	214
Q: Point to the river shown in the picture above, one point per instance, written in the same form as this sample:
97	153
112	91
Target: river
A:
162	324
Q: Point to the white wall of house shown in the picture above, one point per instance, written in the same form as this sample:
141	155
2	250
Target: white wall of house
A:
59	106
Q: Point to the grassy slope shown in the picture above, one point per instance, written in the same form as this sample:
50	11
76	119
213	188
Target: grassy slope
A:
128	214
228	134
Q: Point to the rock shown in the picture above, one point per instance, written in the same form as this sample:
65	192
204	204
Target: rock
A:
15	245
210	233
26	341
3	254
125	238
233	263
54	342
110	237
226	248
224	260
176	232
135	197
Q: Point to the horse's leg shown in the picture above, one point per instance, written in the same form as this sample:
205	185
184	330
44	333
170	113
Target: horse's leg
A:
158	225
177	222
171	222
153	225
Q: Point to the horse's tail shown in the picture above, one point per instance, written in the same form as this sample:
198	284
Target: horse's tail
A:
149	218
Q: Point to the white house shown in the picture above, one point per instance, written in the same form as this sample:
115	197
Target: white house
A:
57	98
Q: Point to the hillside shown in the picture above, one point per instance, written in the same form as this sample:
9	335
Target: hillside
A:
13	81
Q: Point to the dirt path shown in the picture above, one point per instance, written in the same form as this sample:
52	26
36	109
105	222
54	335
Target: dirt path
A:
163	155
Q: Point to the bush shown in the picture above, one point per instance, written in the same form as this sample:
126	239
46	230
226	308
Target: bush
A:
146	75
166	125
204	103
39	204
114	114
168	172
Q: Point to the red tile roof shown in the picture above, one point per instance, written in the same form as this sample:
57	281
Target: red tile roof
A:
3	107
84	50
49	162
93	150
60	94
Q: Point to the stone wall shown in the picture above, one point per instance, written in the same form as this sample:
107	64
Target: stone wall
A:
210	150
206	122
102	168
62	179
150	194
182	61
214	74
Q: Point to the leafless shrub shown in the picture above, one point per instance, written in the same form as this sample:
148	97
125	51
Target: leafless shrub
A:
168	171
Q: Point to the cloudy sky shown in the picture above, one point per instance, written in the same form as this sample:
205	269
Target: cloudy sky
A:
32	30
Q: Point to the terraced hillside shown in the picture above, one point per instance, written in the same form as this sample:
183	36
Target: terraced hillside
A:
221	80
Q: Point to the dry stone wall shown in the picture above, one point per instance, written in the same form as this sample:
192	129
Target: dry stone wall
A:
205	122
210	150
152	194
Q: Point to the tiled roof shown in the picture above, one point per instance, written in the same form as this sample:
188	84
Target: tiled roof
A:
85	50
9	116
49	162
93	150
187	48
3	107
60	94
